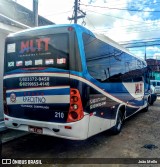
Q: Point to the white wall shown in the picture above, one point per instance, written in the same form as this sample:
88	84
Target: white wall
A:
2	42
4	31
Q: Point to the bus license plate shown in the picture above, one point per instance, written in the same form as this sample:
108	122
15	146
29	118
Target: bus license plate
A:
35	129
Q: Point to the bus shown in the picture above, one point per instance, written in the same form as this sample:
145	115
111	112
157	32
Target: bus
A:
65	81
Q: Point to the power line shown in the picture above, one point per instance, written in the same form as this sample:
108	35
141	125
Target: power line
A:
133	26
141	43
133	10
115	17
144	29
90	22
146	4
134	29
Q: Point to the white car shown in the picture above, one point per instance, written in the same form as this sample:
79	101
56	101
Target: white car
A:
156	84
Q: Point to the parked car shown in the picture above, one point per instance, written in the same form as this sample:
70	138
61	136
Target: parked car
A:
153	94
156	84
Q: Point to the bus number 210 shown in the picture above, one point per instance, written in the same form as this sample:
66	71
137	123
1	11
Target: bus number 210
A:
59	115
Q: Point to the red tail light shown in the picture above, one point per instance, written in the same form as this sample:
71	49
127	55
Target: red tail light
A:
5	102
76	110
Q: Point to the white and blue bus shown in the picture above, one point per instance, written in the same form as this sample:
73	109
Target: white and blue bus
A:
65	81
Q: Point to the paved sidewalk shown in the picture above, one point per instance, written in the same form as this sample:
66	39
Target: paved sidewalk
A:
10	134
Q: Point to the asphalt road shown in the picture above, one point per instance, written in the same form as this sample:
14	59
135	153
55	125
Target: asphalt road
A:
140	138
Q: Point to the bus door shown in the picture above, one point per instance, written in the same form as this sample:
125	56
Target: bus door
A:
100	112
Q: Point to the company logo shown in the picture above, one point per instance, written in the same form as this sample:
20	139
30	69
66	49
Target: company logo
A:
13	97
6	161
34	45
34	99
20	162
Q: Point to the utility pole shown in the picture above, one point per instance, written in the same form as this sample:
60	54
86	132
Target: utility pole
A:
145	55
35	12
76	10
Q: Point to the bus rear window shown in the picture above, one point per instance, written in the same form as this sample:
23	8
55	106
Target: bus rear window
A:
39	51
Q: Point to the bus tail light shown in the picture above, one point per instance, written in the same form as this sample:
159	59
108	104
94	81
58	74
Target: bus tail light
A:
75	110
5	102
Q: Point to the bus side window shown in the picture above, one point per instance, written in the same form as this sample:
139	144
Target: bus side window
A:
137	79
147	78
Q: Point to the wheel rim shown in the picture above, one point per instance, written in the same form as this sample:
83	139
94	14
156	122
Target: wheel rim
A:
119	123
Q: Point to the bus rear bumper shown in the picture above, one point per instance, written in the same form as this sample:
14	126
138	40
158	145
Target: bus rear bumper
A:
75	130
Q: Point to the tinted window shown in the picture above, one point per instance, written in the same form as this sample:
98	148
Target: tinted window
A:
108	64
153	83
158	83
41	51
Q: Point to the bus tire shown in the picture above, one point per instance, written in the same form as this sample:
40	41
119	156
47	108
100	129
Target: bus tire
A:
146	108
151	103
119	122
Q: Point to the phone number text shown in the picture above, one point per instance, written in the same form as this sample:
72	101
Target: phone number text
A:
33	79
34	84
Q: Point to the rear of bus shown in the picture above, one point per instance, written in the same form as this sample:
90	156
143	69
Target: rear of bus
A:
39	95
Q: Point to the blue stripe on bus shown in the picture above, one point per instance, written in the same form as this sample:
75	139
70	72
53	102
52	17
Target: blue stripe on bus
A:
107	87
62	91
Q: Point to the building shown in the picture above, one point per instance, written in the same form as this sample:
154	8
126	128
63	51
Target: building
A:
13	18
154	65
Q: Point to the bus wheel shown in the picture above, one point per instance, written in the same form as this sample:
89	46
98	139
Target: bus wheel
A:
151	103
146	108
118	126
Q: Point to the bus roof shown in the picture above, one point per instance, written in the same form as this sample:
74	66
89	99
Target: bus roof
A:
78	27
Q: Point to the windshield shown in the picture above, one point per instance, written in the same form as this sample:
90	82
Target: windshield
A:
39	51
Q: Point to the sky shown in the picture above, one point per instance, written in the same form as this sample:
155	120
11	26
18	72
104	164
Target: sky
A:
121	20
